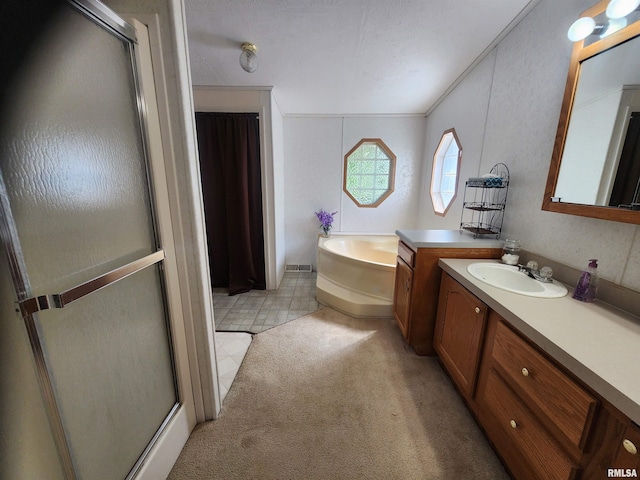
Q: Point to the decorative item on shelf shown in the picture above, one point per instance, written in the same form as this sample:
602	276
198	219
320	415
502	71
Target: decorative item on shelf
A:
485	198
488	180
326	221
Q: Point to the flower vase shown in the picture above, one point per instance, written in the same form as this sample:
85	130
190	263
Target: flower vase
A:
325	231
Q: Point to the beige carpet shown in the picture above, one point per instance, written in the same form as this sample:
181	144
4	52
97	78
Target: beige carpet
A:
328	396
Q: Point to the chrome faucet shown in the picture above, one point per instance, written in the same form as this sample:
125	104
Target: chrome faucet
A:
531	269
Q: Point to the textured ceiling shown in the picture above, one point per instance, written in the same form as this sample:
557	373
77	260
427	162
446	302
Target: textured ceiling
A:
345	56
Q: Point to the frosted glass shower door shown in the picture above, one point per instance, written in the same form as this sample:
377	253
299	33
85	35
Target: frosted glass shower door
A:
78	215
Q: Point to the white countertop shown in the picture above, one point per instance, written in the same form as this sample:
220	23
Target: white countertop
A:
596	342
446	239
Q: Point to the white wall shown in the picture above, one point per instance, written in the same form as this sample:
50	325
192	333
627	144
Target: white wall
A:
314	149
312	180
528	73
464	109
214	99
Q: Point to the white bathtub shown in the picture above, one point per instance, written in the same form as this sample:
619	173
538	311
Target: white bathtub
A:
356	274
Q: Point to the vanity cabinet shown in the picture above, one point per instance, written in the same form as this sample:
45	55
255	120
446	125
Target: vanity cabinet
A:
460	326
552	394
628	456
417	286
540	419
528	450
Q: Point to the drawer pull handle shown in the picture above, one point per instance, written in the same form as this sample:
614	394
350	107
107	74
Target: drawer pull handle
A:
513	424
629	446
525	372
477	309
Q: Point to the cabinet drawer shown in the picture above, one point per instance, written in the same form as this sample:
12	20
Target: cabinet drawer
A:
561	400
406	254
532	452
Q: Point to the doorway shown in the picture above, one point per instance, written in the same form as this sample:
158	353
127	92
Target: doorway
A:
229	151
626	187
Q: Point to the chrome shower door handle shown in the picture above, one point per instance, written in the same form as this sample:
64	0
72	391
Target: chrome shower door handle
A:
60	300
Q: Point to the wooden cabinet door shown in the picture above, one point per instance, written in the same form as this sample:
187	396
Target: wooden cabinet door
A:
402	296
460	326
628	457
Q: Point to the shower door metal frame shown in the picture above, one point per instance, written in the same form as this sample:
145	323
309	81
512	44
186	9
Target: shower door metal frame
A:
29	306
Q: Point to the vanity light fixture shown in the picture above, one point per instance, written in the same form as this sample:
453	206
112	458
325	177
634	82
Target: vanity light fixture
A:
248	57
615	24
582	28
616	12
621	8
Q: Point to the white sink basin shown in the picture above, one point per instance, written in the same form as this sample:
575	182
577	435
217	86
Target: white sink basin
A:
507	277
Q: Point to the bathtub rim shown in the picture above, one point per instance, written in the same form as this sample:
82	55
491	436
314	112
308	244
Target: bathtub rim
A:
322	240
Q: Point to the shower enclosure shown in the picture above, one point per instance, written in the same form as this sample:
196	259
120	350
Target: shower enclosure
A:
84	293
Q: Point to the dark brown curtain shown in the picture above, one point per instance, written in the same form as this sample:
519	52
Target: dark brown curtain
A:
229	148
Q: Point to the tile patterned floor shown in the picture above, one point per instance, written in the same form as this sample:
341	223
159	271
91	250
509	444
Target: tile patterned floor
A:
259	310
231	347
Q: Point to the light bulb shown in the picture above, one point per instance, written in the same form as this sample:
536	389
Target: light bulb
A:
581	29
615	24
621	8
248	57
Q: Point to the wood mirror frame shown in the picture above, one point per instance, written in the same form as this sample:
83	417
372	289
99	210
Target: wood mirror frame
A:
579	54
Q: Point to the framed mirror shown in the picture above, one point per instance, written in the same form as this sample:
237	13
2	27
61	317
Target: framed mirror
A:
595	165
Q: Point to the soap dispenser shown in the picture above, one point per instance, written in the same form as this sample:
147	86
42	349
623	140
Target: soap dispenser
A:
588	283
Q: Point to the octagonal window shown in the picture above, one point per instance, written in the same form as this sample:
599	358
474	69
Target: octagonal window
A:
369	172
444	176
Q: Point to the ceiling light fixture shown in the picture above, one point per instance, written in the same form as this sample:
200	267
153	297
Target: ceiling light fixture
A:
616	12
248	57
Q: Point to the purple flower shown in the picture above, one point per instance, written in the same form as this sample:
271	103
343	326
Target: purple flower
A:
326	219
